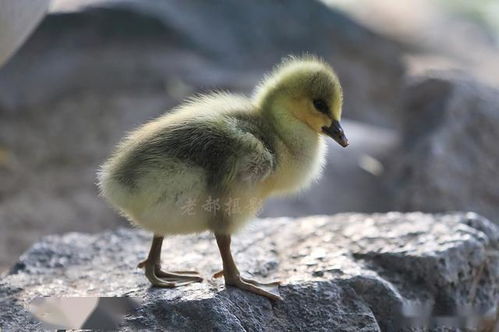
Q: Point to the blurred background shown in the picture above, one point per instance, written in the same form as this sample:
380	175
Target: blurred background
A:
420	81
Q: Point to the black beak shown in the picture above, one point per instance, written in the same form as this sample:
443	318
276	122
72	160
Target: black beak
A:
336	133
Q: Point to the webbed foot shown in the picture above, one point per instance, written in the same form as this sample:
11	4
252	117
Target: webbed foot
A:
220	274
250	286
160	278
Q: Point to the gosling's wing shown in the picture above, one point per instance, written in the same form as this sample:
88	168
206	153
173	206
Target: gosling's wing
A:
254	165
231	151
218	133
225	152
234	145
256	157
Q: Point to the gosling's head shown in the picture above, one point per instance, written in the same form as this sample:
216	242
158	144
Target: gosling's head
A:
304	89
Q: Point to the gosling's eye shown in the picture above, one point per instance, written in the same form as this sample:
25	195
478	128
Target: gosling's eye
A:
321	106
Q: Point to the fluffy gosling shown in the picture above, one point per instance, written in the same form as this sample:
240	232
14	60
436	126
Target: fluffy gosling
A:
210	163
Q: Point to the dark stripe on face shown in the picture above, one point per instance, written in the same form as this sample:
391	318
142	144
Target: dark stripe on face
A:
322	106
321	90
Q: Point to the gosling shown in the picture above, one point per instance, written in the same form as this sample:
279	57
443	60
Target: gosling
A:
210	163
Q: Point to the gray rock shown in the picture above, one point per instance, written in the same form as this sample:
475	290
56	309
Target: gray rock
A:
148	44
349	272
449	156
48	164
17	21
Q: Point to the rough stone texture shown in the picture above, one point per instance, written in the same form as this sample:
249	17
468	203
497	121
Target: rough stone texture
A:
448	156
349	272
88	75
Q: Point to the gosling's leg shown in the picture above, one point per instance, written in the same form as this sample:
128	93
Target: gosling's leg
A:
160	278
231	273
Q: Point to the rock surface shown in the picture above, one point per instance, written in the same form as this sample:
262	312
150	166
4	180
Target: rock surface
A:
349	272
448	157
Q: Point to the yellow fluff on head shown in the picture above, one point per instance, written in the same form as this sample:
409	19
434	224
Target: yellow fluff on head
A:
295	72
178	173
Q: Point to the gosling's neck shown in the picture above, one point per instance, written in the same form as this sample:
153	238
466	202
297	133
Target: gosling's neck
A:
300	151
299	139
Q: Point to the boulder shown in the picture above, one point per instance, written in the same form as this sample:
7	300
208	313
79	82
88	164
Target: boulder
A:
17	21
49	156
129	45
448	155
348	272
